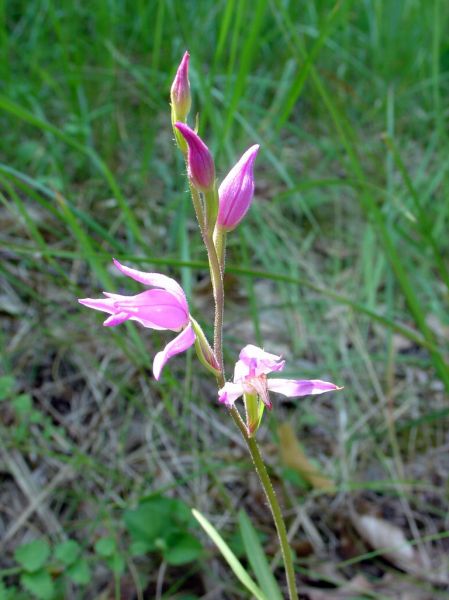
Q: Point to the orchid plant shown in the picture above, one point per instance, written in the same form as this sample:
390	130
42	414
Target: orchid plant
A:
163	306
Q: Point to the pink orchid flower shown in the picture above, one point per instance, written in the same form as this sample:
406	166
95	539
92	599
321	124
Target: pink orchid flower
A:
164	307
250	377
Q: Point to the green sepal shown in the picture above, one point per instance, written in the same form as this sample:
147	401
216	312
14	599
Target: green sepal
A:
180	141
204	352
211	209
254	411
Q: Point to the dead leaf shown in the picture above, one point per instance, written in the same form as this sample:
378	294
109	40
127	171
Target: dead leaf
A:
294	457
352	589
393	545
386	537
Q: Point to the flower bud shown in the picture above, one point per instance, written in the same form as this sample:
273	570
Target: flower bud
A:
181	99
200	164
236	191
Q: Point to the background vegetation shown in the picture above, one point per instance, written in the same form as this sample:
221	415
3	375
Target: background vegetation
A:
341	265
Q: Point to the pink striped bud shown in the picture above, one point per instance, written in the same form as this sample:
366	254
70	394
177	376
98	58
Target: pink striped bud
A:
236	191
200	164
181	99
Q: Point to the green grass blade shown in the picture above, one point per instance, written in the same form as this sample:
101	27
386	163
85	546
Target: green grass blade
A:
234	563
24	115
257	558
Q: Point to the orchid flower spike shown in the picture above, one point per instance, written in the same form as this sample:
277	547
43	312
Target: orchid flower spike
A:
181	100
250	381
236	191
163	307
200	164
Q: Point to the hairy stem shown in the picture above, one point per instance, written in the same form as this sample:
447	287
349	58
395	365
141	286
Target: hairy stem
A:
273	503
217	280
220	246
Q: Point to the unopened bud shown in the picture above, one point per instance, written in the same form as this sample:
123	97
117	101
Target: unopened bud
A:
200	164
236	191
181	99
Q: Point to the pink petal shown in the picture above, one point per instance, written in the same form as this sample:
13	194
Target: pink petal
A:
116	319
153	279
258	385
183	341
229	393
155	308
236	191
180	89
254	362
103	304
200	163
300	387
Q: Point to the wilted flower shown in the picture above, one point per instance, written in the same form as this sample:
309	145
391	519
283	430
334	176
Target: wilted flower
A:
200	164
250	377
163	307
181	99
236	191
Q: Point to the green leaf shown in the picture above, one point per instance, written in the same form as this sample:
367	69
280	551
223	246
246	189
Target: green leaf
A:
139	548
150	520
234	563
116	563
7	383
182	513
32	556
182	549
257	558
22	404
105	546
79	572
67	552
38	583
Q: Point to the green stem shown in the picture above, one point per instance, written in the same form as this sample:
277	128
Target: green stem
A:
220	246
216	249
272	502
199	212
217	280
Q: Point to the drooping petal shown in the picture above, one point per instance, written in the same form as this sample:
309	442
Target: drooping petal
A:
155	308
236	191
103	304
254	362
181	342
300	387
153	279
229	393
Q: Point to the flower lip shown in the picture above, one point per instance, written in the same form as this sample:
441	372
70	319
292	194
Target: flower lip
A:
236	191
